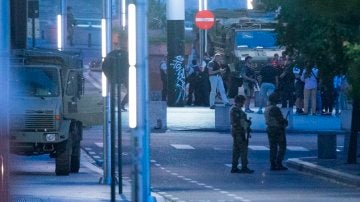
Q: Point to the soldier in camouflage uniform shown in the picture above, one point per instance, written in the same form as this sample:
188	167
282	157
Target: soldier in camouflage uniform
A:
240	130
276	125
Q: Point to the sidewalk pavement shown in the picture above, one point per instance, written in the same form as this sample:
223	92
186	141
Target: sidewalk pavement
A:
38	182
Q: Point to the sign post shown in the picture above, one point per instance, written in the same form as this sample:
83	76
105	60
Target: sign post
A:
204	20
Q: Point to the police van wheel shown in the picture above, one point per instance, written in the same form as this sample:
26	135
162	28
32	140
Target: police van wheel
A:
63	158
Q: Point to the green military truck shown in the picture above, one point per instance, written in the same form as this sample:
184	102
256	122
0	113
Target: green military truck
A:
47	89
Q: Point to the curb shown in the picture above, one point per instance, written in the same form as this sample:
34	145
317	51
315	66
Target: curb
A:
155	196
289	131
327	173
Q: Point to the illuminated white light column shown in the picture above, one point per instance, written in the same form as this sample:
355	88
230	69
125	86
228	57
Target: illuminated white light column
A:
123	13
103	55
132	64
59	32
250	4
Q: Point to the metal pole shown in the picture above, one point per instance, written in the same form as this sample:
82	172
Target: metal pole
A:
119	127
106	179
4	72
201	44
201	34
123	24
205	31
112	133
142	132
63	24
110	99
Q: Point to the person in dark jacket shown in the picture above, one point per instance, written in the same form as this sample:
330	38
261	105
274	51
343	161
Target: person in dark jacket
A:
276	125
240	131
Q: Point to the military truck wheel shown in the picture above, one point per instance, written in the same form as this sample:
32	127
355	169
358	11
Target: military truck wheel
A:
63	158
76	150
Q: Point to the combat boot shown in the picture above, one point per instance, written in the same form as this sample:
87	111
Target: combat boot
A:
281	167
246	170
235	170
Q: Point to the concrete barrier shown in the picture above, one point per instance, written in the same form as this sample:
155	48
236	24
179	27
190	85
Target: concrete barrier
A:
326	143
158	116
345	117
222	117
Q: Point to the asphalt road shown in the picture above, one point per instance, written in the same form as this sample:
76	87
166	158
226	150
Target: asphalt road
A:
195	166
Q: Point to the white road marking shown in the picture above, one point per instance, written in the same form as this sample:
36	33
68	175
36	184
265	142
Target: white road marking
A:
296	148
259	148
182	146
99	144
230	165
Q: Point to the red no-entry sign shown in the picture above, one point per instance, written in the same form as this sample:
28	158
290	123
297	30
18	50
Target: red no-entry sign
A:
204	19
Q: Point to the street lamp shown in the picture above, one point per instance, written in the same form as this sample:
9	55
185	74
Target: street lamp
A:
59	32
132	63
250	4
123	14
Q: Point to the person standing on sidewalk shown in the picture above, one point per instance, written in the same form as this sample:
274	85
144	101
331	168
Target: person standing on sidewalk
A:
216	81
164	78
269	82
248	75
310	78
240	130
276	125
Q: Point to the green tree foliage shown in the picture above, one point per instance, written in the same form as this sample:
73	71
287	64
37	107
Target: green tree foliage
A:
316	30
157	14
353	54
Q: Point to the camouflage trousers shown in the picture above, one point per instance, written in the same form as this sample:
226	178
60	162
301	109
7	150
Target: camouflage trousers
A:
277	144
240	150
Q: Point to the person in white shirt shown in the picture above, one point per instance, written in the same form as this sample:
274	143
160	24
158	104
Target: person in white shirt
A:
310	78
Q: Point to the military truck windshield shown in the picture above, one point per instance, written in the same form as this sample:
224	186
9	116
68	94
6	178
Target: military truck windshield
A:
34	82
255	39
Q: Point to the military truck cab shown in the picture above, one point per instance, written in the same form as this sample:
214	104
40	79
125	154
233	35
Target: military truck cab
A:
46	89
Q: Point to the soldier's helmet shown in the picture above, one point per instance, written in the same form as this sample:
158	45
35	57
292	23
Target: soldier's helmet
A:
274	98
239	99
